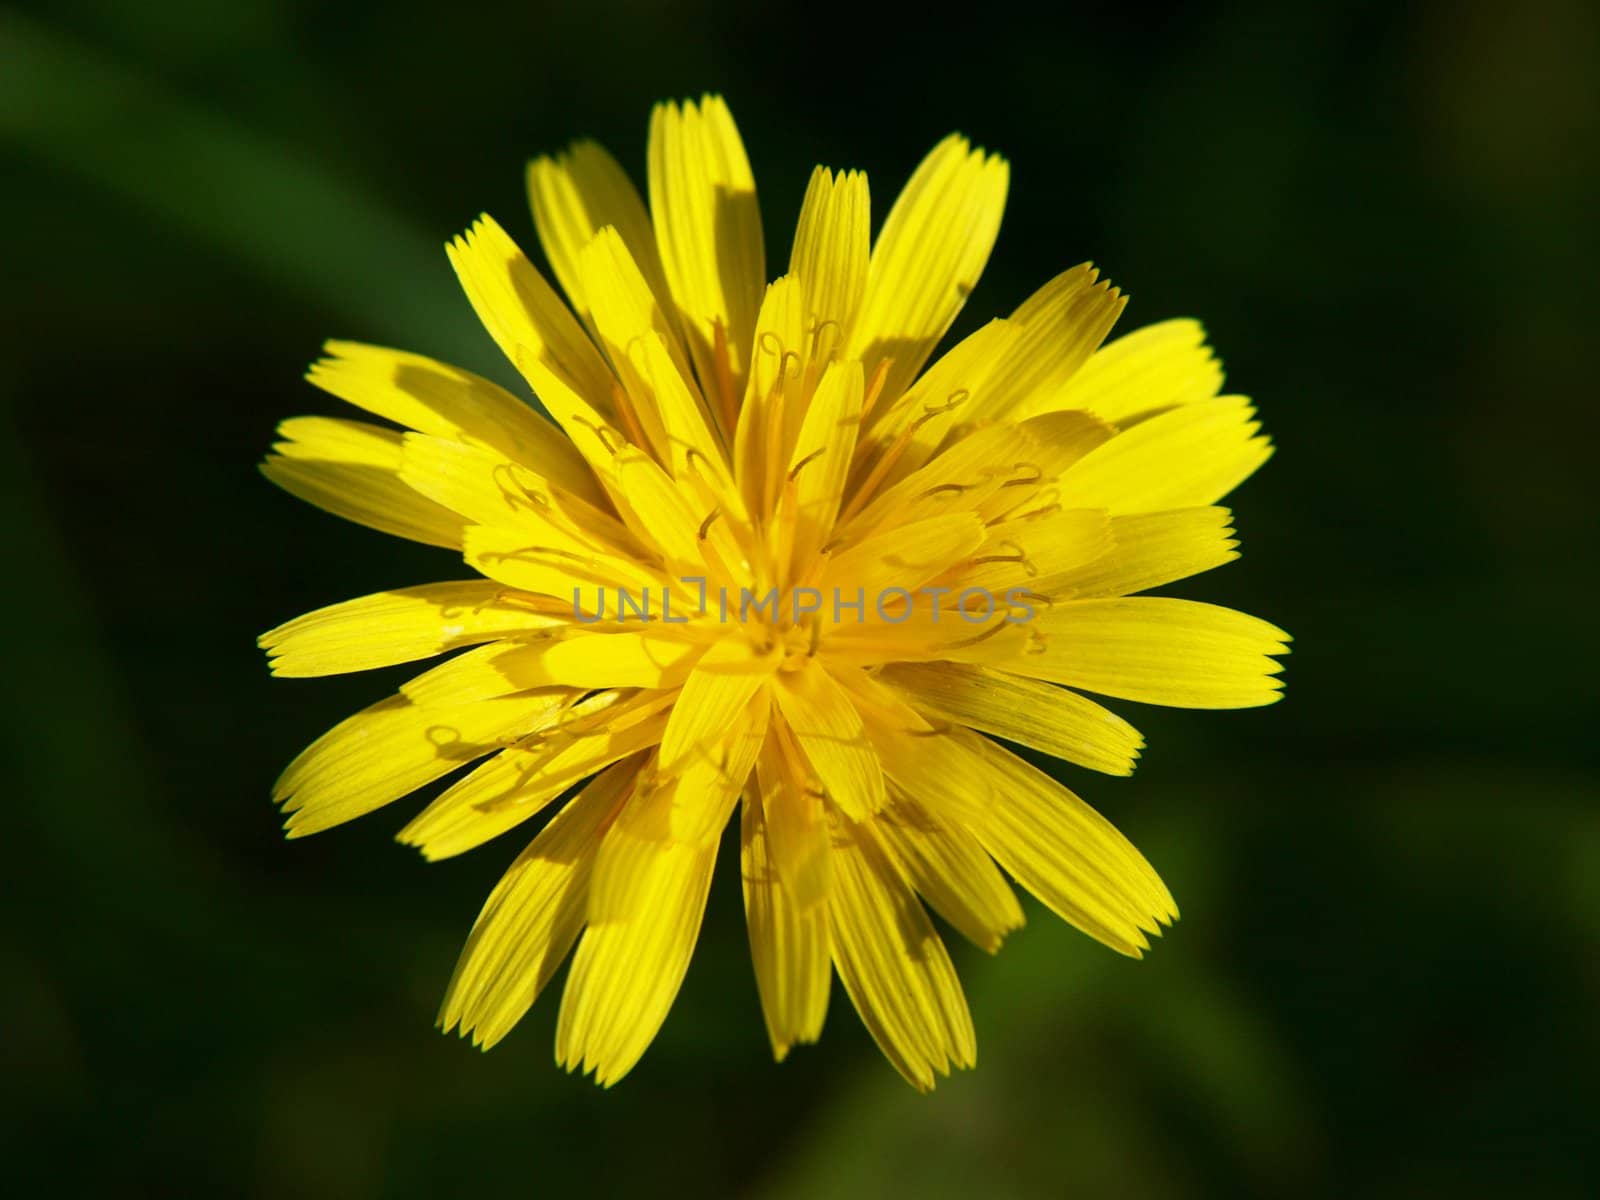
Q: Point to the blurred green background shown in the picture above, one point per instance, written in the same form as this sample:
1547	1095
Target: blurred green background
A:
1385	980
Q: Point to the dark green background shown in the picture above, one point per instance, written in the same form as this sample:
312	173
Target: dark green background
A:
1385	980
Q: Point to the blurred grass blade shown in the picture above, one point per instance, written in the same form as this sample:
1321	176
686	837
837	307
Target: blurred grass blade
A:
240	195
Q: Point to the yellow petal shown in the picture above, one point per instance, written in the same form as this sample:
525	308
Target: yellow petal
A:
708	227
829	731
1156	650
517	783
1146	551
1062	438
832	246
795	821
1059	327
554	563
1049	444
1064	852
626	659
393	748
523	314
903	558
691	801
820	463
707	788
627	316
893	965
933	247
1187	457
694	453
788	942
1032	553
352	470
910	631
577	194
951	393
661	512
972	470
543	339
326	439
628	969
1044	836
444	401
718	690
470	676
563	657
399	626
949	868
774	392
1039	715
1145	372
487	488
531	919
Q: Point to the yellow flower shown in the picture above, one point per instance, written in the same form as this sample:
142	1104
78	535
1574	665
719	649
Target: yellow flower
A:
760	558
